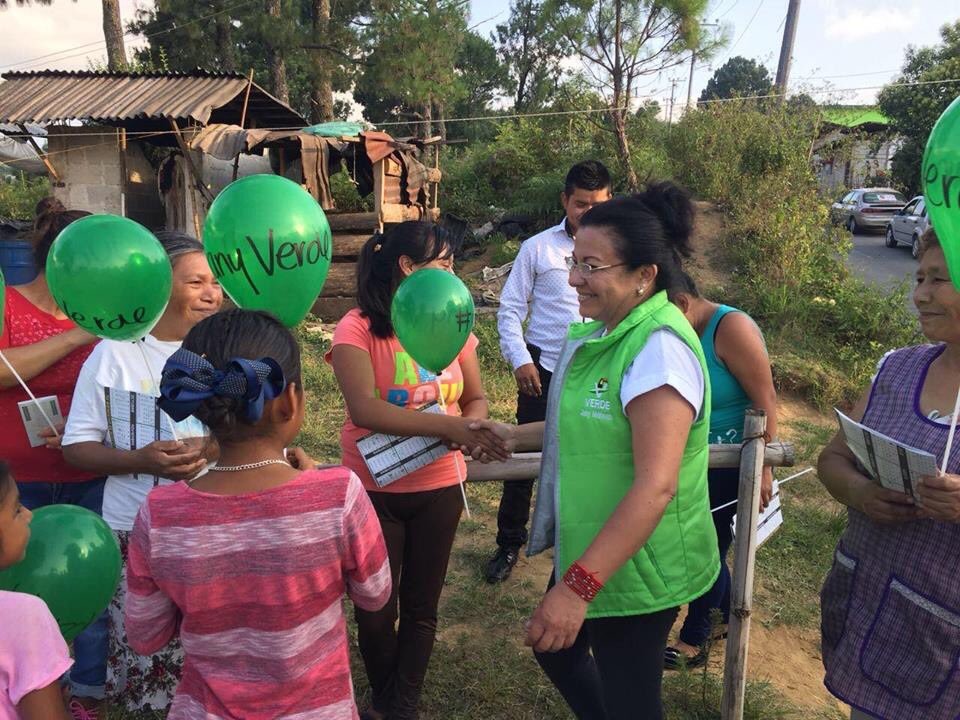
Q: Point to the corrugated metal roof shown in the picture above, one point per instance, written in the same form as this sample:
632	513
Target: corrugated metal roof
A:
56	95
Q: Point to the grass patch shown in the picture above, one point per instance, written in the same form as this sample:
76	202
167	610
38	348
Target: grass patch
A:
690	695
808	439
792	565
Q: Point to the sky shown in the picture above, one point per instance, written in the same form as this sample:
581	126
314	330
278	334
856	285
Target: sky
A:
839	45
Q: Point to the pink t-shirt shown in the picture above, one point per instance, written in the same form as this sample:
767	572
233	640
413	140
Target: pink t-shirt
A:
32	651
253	585
400	381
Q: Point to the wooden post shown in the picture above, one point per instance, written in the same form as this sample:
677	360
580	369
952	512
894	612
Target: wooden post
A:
243	120
745	549
122	145
436	185
379	177
197	177
41	154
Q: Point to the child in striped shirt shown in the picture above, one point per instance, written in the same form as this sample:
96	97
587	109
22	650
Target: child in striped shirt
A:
249	563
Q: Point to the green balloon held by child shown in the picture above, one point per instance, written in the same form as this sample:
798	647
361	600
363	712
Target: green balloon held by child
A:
432	314
72	563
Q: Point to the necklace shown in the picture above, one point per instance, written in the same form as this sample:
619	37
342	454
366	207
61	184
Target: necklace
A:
248	466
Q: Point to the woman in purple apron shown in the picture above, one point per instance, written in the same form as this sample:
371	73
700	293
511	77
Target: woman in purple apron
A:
890	606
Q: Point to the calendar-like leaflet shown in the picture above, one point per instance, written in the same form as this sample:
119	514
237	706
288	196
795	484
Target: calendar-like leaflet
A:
390	457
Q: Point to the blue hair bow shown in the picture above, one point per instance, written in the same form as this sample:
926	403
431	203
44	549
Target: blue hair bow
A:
189	379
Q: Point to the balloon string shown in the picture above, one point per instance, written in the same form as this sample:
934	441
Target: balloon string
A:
781	482
463	489
951	433
156	388
29	392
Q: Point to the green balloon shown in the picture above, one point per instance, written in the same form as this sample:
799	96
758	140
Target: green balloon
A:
941	185
110	275
269	244
432	314
72	564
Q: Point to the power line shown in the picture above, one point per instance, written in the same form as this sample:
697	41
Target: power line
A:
752	18
492	17
862	74
547	113
727	11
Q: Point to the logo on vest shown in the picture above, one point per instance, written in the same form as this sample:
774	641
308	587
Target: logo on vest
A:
594	405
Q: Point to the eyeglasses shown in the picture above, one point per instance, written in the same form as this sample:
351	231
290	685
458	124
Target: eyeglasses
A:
585	269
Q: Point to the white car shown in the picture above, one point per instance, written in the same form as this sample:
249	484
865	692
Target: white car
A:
908	224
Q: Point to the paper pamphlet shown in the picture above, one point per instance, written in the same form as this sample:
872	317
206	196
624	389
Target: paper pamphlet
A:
33	420
134	420
770	519
390	457
889	462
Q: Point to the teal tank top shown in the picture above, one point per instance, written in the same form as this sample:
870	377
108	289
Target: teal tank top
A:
729	402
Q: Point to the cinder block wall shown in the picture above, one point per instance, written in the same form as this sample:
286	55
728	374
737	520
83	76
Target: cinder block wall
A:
88	162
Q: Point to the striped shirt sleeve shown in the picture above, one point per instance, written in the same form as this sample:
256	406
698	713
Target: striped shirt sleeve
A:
150	617
365	563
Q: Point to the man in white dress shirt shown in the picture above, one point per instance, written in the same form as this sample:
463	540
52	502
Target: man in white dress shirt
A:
537	292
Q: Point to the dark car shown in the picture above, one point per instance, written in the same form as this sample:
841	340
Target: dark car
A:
867	208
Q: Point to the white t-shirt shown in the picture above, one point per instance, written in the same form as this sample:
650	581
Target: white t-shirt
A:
664	360
120	365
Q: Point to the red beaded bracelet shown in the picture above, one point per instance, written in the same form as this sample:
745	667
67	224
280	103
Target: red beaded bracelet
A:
582	582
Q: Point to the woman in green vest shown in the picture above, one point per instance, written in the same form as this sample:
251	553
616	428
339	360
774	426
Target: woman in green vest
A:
623	481
740	378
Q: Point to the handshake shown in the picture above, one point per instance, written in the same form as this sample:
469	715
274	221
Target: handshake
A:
483	440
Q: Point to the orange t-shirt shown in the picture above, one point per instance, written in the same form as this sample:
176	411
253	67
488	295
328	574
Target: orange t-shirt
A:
400	381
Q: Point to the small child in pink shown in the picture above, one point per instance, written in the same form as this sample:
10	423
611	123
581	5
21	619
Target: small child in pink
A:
33	654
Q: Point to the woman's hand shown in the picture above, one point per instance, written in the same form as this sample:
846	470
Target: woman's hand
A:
939	497
766	488
299	459
172	459
505	432
557	620
484	440
51	438
882	505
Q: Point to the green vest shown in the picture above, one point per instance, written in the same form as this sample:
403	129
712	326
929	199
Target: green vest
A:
680	560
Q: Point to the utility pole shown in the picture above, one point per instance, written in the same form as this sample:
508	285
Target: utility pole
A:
786	49
693	62
673	89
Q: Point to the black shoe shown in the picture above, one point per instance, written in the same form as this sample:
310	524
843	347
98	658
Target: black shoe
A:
500	565
674	659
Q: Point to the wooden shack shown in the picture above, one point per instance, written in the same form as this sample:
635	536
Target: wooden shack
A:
159	147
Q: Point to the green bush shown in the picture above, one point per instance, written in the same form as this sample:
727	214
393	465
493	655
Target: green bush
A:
345	195
523	169
826	329
20	197
504	251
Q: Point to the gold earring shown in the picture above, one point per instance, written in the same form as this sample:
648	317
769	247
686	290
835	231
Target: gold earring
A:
640	290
